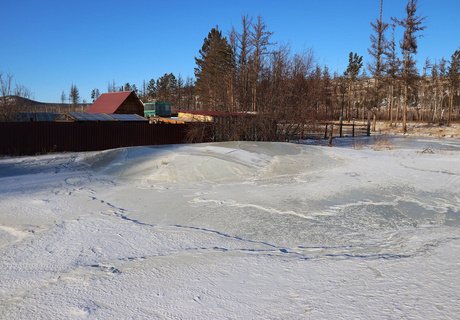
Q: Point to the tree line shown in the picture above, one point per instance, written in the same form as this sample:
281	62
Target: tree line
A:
245	71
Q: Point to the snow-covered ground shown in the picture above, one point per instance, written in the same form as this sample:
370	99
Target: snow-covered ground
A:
237	230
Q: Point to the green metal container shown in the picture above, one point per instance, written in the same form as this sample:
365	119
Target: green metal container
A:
157	108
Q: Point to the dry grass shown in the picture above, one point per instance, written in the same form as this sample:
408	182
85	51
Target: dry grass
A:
421	129
382	143
358	145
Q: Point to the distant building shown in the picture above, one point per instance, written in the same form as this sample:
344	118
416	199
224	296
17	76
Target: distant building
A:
124	102
157	109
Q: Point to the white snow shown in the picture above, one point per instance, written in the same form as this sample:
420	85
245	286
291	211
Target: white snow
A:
236	230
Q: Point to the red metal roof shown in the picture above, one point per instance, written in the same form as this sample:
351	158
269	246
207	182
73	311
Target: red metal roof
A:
108	102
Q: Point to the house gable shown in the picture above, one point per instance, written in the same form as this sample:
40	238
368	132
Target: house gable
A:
125	102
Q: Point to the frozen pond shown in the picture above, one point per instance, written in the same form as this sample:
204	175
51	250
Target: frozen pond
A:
397	142
369	229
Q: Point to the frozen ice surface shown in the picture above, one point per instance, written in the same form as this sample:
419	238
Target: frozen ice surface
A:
238	230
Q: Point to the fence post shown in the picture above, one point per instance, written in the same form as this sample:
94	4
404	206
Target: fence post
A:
330	136
325	132
341	125
353	129
368	129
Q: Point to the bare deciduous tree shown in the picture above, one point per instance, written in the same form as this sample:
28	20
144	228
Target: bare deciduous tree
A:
411	24
9	95
260	42
377	67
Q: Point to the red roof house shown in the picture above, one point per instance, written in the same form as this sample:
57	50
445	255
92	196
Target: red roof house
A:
124	102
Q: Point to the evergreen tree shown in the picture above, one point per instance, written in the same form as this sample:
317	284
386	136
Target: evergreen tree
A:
74	95
151	89
355	63
213	71
454	82
127	87
166	87
63	97
95	94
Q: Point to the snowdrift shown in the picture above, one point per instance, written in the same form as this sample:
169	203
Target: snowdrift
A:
232	161
233	230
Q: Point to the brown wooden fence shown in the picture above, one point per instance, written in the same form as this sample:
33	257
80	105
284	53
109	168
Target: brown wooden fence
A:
343	129
29	138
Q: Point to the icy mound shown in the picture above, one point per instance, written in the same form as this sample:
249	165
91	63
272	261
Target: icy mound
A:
217	162
44	164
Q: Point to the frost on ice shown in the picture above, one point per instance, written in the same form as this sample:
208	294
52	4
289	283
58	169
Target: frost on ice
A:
232	230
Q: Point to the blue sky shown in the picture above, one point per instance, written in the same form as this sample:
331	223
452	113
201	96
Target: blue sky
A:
48	45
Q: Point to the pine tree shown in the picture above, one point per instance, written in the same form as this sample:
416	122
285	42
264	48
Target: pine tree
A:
454	82
127	87
166	88
95	94
355	63
74	95
151	89
213	71
63	97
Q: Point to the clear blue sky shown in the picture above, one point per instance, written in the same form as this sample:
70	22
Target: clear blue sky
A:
48	45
